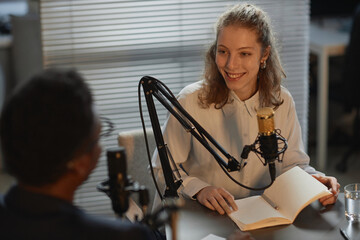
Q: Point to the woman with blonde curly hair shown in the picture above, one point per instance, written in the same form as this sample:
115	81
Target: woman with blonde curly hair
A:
243	73
270	73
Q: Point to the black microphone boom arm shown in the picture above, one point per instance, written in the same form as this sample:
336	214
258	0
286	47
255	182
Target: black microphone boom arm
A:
153	87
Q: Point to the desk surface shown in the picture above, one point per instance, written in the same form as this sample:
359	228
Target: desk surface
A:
326	39
314	222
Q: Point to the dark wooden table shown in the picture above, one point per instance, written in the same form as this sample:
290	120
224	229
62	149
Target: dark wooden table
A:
314	222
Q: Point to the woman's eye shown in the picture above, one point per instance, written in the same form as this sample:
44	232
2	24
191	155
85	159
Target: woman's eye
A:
245	54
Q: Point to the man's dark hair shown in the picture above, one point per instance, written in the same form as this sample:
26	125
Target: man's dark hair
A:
44	123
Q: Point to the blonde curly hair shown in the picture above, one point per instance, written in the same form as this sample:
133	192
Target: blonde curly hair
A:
214	89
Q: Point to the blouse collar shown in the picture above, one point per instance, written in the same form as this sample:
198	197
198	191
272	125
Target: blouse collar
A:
251	105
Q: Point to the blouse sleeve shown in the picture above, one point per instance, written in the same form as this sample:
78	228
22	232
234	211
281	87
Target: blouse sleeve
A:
179	143
295	154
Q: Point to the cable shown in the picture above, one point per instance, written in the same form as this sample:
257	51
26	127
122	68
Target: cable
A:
147	143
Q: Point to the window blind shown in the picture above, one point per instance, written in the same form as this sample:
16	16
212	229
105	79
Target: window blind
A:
113	43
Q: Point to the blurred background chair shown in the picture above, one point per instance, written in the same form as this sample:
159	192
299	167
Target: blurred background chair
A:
349	91
137	159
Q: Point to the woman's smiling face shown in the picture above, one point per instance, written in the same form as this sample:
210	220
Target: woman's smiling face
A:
238	57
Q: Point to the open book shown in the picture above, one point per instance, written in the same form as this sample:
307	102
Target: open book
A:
281	202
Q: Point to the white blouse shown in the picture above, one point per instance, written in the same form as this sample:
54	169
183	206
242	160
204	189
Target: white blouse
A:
232	126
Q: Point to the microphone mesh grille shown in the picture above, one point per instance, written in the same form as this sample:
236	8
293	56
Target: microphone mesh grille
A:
265	118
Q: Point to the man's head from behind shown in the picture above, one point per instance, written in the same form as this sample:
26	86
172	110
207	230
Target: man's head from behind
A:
46	123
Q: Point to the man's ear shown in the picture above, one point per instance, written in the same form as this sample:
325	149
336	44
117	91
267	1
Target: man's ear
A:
81	165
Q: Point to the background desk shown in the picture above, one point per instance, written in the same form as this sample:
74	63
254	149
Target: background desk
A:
314	222
324	44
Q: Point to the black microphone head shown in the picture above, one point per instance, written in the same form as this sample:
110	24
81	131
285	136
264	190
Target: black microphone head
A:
116	161
118	180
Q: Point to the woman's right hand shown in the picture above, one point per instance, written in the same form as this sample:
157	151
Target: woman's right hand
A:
217	199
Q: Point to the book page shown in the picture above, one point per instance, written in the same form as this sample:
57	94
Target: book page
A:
293	190
254	209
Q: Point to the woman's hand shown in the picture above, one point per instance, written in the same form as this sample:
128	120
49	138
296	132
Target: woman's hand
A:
332	185
217	199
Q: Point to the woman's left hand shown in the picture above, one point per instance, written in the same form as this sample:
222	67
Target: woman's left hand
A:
333	186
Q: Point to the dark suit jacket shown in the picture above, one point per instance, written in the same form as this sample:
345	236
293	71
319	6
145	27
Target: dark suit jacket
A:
26	215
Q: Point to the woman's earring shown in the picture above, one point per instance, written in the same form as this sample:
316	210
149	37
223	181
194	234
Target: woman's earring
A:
263	65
